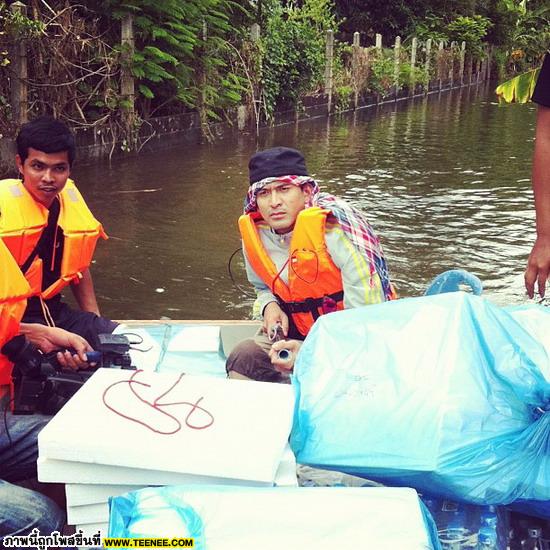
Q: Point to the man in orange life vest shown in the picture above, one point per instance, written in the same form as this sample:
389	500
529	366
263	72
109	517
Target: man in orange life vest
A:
50	232
22	510
306	253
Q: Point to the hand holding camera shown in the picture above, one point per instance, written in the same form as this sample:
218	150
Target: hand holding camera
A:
70	348
40	382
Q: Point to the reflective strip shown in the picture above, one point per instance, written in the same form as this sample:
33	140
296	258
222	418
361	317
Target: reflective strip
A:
71	192
16	190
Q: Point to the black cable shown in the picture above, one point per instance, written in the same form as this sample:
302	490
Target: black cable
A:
244	290
137	343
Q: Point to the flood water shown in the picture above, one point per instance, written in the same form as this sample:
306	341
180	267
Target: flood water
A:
445	182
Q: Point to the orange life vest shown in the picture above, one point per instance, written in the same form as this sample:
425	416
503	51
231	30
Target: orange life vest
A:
313	278
22	221
14	290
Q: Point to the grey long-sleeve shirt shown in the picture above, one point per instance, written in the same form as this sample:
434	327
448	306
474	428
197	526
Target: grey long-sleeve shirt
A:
359	287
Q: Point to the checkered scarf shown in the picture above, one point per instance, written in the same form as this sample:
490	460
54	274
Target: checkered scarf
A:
352	221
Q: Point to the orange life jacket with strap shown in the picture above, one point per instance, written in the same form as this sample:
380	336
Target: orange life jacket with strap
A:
314	282
14	291
22	221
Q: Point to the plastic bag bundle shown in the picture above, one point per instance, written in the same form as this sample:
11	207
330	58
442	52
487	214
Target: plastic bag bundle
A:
271	518
448	394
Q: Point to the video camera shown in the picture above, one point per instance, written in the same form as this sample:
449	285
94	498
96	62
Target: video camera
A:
42	385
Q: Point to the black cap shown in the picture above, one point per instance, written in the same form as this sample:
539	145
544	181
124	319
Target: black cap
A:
275	162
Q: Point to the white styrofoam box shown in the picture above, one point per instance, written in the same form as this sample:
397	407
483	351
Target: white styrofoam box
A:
88	513
240	426
79	494
63	471
88	503
241	518
90	483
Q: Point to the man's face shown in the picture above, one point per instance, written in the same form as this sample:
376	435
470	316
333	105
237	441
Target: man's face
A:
280	203
44	174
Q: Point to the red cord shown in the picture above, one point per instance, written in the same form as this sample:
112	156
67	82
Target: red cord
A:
156	405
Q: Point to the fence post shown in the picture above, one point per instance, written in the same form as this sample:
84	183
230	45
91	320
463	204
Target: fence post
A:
452	64
414	47
427	66
462	58
355	67
396	61
378	41
19	90
329	54
440	65
254	32
127	84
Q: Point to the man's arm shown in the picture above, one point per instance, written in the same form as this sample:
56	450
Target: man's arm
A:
84	293
360	288
538	265
48	339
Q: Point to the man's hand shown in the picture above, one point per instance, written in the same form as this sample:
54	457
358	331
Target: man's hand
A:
293	346
273	314
48	339
538	266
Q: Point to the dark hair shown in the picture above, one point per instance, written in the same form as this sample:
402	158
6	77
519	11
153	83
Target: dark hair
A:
45	134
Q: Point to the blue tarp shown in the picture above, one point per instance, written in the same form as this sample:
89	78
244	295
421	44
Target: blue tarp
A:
448	394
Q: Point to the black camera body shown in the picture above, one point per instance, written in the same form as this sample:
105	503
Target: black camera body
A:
40	384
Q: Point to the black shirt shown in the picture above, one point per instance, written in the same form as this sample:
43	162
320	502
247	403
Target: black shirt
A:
50	250
541	95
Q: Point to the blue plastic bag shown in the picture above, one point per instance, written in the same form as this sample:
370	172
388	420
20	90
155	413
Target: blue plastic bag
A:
269	518
448	394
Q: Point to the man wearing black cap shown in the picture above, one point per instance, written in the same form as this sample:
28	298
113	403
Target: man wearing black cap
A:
307	254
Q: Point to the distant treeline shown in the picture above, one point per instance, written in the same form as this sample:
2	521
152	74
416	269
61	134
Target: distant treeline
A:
113	65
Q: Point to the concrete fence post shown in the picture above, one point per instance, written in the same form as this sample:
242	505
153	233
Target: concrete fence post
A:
356	52
397	63
452	63
127	84
18	84
427	65
329	56
414	47
440	65
254	32
462	58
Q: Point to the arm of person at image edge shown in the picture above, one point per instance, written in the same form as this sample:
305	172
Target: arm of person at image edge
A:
538	265
359	290
48	339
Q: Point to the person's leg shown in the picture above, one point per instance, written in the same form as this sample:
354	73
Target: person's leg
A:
22	510
18	445
249	360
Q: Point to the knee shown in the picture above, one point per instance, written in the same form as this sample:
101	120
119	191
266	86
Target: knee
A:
23	510
248	360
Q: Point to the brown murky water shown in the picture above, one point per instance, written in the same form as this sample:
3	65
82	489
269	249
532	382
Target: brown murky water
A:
445	182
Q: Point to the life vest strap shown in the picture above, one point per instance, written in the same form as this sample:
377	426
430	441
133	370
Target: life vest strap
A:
312	305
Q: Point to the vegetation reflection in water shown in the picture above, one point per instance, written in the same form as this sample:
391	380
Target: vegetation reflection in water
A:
446	183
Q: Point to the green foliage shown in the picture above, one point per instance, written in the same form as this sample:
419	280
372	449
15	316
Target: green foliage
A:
182	54
293	51
471	30
519	89
383	73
